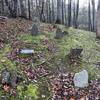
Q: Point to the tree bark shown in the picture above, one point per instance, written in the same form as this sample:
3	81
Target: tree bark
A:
93	15
59	12
76	17
98	21
89	17
69	12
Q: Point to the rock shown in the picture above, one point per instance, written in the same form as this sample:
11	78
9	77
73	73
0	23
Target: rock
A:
81	79
5	75
34	30
59	33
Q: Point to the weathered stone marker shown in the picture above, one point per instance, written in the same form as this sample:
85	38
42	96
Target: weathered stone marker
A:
34	30
81	79
76	52
59	33
74	57
5	76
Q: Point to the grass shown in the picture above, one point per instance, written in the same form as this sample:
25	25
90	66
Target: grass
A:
31	91
87	41
4	61
76	38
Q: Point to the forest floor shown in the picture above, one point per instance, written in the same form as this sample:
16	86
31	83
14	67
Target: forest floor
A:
40	72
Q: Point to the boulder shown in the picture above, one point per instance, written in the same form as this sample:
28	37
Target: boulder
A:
81	79
34	30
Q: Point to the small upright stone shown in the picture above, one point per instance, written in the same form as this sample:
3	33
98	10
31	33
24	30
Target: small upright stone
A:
59	33
34	30
81	79
76	52
5	76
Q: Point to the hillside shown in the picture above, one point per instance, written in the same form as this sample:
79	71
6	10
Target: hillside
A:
37	72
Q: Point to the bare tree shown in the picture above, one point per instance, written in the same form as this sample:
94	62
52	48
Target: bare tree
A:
12	7
76	16
69	12
98	20
59	12
93	15
53	12
74	13
89	17
62	11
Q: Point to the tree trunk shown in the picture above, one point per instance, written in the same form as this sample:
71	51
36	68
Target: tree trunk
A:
59	12
69	12
76	17
53	12
89	17
98	21
93	15
62	12
74	13
29	9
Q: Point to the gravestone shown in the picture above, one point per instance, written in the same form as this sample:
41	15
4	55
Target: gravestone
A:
81	79
5	76
65	33
59	33
34	30
74	57
76	52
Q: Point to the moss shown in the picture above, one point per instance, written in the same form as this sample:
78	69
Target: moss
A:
4	61
30	91
29	38
84	39
75	38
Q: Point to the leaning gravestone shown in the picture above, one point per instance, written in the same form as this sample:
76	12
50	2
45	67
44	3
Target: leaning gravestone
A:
81	79
34	30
